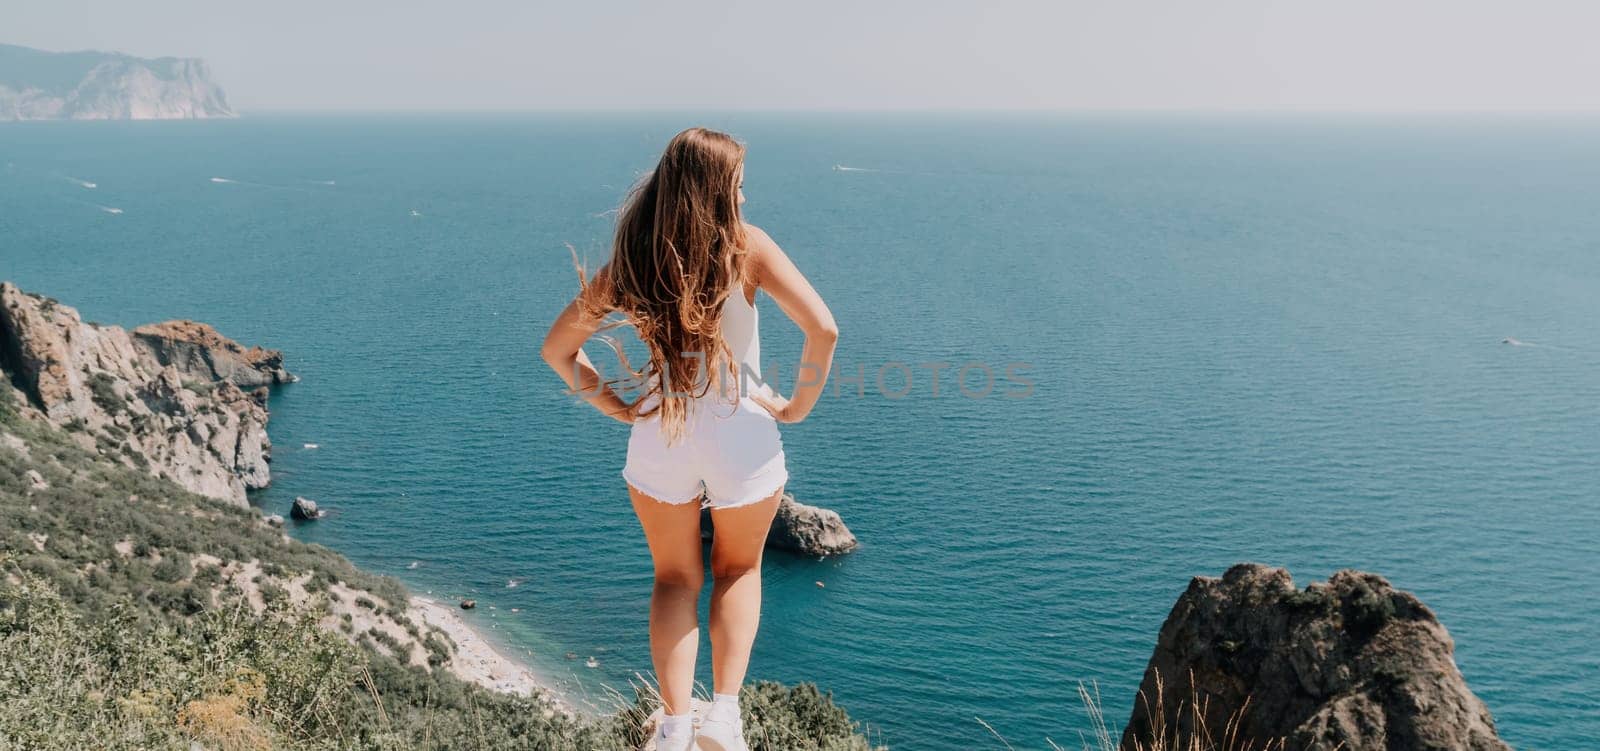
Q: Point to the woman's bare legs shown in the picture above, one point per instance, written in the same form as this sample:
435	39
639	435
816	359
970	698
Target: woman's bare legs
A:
673	531
741	535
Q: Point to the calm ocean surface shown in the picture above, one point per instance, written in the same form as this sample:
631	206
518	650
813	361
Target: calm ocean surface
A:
1273	339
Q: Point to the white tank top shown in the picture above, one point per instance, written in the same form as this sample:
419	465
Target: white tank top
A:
741	329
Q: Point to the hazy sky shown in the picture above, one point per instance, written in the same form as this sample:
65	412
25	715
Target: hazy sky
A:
832	54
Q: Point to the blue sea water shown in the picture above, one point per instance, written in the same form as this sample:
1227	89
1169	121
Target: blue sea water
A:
1250	338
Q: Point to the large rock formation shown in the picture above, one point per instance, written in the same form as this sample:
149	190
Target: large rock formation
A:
1351	664
39	85
198	350
166	398
798	528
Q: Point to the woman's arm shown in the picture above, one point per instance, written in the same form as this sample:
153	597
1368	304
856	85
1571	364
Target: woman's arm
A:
776	274
563	350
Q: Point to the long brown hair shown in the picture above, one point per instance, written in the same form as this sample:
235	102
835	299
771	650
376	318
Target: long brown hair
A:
679	251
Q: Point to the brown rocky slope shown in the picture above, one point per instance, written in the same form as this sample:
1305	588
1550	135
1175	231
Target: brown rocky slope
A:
167	398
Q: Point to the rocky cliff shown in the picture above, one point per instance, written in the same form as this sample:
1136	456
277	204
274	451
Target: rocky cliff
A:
1351	664
167	398
39	85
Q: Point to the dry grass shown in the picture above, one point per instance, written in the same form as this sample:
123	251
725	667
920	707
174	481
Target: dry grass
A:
226	720
1190	733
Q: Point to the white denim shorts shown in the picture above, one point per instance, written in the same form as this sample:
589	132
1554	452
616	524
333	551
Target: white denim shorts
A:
730	451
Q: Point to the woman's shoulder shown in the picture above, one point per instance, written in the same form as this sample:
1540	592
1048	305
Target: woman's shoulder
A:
760	245
757	239
761	248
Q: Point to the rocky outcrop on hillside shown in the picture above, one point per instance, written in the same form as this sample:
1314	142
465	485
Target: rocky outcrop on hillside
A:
167	398
799	528
198	350
40	85
1351	664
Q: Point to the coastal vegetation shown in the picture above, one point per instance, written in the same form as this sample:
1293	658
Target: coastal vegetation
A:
124	625
144	604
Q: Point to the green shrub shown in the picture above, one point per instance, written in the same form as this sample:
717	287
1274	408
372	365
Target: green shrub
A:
173	568
103	390
8	400
401	652
797	717
438	651
317	582
272	594
207	575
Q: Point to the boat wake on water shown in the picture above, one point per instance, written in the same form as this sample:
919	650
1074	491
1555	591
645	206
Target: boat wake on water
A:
263	186
848	168
1515	342
100	207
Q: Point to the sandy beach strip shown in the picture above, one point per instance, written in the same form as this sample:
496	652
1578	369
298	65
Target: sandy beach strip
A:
479	662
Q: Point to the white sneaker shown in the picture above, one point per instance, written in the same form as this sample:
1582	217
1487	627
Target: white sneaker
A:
722	730
682	742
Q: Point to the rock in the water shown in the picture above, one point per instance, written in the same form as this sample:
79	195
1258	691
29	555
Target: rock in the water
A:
273	520
809	530
468	604
305	509
167	400
799	528
1351	664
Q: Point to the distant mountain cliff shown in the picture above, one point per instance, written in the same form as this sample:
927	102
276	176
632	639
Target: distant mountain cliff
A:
39	85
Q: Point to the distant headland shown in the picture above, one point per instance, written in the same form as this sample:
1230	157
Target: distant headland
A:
41	85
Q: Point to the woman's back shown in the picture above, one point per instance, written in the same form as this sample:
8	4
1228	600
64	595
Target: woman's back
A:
680	243
741	329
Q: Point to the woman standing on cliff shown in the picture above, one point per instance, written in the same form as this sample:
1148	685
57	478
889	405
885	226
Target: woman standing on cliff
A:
684	272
